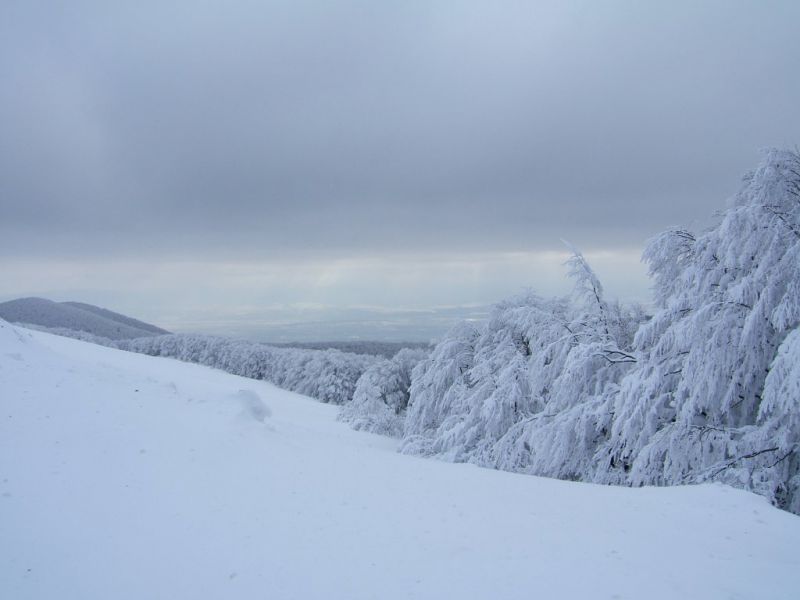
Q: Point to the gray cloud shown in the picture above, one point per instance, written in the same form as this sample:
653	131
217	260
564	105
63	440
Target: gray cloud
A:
251	128
377	169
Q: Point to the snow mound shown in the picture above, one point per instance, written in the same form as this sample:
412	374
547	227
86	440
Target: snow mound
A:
253	406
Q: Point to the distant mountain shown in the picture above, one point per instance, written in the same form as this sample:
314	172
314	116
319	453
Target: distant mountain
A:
77	316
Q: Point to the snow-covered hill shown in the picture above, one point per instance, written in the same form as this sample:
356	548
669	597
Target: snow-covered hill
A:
127	476
76	316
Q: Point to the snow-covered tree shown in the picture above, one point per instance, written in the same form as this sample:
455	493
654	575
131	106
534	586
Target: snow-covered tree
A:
381	395
561	438
583	388
328	375
694	407
437	384
535	367
775	461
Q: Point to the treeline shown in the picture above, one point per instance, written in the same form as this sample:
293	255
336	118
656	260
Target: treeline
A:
327	375
330	376
382	393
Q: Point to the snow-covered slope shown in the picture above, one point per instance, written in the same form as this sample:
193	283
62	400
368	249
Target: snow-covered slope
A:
116	317
126	476
76	316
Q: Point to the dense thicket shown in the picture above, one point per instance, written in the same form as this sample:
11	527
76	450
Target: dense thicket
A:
529	390
331	375
381	396
712	395
328	375
708	388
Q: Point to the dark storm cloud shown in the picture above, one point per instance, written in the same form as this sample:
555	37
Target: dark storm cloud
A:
256	128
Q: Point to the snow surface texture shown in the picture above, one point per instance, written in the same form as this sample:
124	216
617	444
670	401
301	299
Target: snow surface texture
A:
76	316
126	476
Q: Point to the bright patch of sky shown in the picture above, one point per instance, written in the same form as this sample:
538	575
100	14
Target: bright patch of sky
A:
401	298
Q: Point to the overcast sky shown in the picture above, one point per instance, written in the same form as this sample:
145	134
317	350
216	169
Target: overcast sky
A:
223	166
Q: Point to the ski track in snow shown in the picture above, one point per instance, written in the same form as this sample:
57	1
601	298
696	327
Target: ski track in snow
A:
130	477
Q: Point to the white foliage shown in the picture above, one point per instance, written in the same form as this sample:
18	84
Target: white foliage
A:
381	395
328	375
537	368
708	388
436	385
690	409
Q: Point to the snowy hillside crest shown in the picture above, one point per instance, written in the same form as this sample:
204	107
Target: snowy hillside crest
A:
92	322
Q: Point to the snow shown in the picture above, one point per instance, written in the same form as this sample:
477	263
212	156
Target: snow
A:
77	317
128	476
